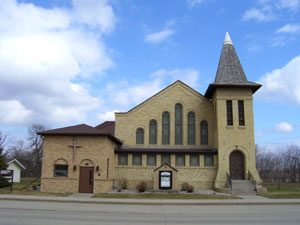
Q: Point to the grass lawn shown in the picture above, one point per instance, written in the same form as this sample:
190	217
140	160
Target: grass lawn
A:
282	190
164	196
24	181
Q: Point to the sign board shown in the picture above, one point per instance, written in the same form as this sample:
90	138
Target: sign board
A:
5	172
165	179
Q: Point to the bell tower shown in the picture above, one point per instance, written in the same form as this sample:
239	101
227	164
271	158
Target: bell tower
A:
231	95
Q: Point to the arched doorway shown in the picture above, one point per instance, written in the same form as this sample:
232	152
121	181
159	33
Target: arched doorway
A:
237	165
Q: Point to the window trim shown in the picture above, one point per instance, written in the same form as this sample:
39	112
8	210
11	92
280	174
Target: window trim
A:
148	160
191	125
241	112
229	112
139	155
203	139
55	170
153	123
213	163
168	127
140	131
126	156
176	157
198	157
178	124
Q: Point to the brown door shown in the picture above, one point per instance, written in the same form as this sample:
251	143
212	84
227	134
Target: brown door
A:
237	166
86	179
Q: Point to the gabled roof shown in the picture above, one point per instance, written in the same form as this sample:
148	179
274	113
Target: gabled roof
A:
165	164
230	72
17	162
79	130
158	93
107	127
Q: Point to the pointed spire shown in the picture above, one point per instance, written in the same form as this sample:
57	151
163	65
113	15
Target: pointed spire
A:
227	39
230	72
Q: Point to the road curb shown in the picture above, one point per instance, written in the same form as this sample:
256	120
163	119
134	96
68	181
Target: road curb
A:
154	203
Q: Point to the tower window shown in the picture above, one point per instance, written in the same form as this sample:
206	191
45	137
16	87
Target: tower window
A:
241	113
229	112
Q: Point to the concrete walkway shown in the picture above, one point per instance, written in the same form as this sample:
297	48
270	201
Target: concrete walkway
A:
247	200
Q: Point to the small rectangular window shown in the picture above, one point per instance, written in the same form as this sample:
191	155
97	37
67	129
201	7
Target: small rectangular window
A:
136	159
180	160
60	170
151	160
229	112
166	158
122	159
209	160
241	113
194	160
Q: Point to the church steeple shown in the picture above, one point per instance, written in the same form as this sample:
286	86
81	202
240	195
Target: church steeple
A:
230	72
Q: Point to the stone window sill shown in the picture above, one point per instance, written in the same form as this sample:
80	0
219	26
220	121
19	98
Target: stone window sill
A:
229	127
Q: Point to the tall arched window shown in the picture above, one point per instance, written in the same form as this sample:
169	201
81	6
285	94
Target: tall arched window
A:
166	128
191	128
140	136
178	124
152	132
204	132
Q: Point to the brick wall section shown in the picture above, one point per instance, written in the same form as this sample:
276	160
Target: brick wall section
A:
94	150
128	123
234	137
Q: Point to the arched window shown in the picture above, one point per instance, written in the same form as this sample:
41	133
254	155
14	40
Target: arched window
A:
204	132
191	128
140	136
60	168
166	128
152	132
178	124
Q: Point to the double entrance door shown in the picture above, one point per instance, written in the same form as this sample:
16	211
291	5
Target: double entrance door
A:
237	166
86	179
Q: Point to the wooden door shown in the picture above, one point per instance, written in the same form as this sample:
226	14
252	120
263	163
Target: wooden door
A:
237	166
86	179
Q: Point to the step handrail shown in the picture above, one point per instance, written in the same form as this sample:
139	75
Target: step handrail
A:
251	178
228	181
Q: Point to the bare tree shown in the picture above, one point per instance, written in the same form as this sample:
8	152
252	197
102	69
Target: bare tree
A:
2	140
36	146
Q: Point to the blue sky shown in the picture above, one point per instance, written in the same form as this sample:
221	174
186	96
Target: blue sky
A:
65	62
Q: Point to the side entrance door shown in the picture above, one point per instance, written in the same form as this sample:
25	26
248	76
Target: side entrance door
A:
237	165
86	179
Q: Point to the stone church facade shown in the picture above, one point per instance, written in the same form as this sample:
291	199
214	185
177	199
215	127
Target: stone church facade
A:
177	136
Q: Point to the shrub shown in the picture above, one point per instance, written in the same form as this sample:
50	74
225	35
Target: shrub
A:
190	188
184	186
124	183
141	187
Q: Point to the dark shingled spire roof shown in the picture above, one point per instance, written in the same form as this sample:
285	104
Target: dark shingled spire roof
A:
230	72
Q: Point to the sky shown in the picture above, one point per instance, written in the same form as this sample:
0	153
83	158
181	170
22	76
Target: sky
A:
67	62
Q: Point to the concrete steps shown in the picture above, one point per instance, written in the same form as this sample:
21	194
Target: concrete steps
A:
242	187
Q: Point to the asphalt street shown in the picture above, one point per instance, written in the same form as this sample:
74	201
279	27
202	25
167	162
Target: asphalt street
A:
45	213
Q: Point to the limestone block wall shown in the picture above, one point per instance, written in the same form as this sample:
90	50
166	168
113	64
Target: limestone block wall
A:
94	151
153	108
201	177
234	137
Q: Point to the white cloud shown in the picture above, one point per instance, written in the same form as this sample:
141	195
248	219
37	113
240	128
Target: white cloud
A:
282	84
193	3
292	5
284	127
159	37
289	28
263	14
188	76
42	52
107	116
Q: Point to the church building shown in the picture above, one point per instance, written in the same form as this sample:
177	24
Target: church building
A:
176	136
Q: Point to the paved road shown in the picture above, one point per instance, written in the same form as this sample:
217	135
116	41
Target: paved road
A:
45	213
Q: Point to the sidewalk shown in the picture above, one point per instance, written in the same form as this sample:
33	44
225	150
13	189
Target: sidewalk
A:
247	200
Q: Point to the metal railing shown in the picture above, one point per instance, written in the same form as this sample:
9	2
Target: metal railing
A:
228	181
251	178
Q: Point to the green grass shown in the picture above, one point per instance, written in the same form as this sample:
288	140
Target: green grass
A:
24	181
282	190
164	196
